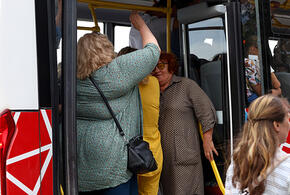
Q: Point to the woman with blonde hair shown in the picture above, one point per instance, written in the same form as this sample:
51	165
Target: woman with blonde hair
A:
102	152
259	166
148	183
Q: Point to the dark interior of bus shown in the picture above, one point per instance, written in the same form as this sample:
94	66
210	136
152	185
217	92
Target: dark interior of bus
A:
205	43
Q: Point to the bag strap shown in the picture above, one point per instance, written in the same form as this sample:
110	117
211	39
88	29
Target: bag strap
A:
108	105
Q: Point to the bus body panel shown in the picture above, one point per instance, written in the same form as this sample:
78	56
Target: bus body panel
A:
29	163
286	146
18	61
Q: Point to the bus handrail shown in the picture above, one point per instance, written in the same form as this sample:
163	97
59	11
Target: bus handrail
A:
213	166
93	4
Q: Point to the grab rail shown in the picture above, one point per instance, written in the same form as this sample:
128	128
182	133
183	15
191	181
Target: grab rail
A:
124	6
214	167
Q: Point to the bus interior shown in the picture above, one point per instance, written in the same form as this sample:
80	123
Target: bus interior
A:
210	43
211	52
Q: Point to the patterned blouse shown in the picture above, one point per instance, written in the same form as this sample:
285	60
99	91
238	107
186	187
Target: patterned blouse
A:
253	75
102	154
276	183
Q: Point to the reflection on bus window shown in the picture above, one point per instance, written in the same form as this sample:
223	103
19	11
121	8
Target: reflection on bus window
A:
121	37
280	12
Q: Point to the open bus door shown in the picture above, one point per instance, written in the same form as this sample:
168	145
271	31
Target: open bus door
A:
212	55
31	146
274	46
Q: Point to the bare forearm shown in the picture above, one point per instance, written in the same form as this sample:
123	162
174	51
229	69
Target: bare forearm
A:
59	12
208	145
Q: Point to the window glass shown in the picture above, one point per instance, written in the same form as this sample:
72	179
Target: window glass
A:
121	37
207	47
280	50
80	33
207	23
206	44
280	16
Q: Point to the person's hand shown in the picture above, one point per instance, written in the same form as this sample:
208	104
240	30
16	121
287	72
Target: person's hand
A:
208	145
136	20
147	36
276	92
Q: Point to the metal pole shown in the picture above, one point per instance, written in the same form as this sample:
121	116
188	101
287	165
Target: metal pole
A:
69	85
168	25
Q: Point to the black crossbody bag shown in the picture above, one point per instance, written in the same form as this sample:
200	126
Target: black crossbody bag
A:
140	157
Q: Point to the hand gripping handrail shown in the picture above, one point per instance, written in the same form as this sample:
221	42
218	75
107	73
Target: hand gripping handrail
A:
214	167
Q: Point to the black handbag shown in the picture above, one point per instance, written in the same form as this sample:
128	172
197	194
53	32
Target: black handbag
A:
140	157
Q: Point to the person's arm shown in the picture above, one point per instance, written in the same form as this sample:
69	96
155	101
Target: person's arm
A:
276	85
208	145
276	92
141	26
205	113
59	12
257	89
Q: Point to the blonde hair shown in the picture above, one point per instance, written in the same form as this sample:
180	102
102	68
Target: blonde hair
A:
258	144
94	51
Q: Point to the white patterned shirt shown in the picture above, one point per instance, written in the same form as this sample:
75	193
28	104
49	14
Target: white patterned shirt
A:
277	182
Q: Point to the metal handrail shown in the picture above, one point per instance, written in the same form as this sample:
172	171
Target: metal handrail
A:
214	167
93	4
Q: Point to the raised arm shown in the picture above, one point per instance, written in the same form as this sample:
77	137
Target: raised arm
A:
141	26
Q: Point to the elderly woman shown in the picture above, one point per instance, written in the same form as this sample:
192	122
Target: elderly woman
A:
102	153
259	166
182	105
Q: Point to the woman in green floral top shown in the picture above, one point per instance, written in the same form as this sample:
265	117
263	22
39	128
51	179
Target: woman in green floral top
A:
102	154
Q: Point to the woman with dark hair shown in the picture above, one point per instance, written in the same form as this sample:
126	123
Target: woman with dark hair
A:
259	166
182	104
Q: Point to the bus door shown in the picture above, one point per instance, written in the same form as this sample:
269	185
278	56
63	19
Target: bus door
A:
274	46
28	124
211	45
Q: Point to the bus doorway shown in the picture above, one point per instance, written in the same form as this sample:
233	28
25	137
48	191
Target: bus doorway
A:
211	45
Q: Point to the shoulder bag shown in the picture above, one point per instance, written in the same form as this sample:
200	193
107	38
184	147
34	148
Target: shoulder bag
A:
140	157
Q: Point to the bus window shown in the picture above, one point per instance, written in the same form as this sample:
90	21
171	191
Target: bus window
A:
280	21
281	65
207	38
81	33
88	24
121	37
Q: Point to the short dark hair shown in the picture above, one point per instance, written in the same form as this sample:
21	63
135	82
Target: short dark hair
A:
126	50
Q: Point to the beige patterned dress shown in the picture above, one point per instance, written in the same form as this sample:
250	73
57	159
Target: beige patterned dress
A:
182	105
